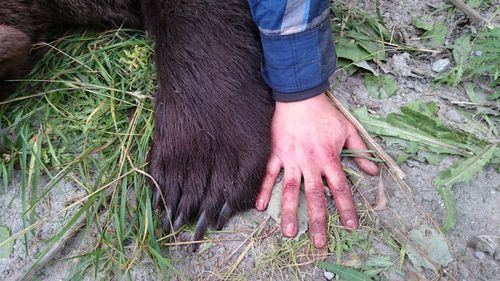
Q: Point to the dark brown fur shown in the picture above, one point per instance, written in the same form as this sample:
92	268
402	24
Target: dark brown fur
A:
212	111
42	20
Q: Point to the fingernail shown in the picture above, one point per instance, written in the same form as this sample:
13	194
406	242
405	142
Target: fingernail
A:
260	204
374	168
289	230
319	241
351	224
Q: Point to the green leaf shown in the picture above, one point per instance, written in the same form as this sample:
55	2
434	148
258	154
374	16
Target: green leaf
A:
450	218
345	273
379	126
424	22
350	50
436	36
475	3
381	86
376	49
464	171
460	171
493	96
428	109
366	66
462	49
348	66
418	123
6	249
431	158
431	248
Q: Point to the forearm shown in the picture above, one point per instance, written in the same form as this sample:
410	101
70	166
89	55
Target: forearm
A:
298	50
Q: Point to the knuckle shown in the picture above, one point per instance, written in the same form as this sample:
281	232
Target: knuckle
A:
291	185
332	157
318	224
288	217
316	196
271	176
346	211
316	184
341	187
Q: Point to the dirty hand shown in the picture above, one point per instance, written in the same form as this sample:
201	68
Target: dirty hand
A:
307	138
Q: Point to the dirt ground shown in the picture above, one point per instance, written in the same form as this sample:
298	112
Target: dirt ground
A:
256	235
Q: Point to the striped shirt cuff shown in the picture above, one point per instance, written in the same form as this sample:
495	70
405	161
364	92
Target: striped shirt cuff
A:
298	63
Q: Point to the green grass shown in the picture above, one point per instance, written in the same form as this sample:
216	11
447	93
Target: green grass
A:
87	120
85	117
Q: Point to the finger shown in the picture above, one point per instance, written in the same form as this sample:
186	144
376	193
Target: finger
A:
272	171
290	201
337	183
355	142
316	208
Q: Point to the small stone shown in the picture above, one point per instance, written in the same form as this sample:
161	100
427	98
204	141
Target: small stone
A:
479	255
329	275
478	53
440	65
400	66
454	116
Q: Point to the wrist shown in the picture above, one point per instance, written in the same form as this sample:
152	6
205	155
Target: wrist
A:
312	101
301	95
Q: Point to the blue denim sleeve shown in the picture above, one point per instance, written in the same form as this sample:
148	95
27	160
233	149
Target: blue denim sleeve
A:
297	43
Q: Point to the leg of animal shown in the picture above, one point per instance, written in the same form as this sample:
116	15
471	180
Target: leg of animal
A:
41	20
212	111
14	52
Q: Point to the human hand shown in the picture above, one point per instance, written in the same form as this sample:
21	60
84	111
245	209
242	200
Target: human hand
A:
307	139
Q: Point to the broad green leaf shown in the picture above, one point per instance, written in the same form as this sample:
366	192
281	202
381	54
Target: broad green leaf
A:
450	218
376	49
462	49
471	93
436	36
379	126
351	51
381	86
494	96
416	123
347	65
474	3
6	249
426	108
378	261
420	121
424	22
460	171
464	170
366	66
432	248
431	158
345	273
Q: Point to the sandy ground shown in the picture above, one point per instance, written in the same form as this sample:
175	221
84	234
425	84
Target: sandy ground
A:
478	202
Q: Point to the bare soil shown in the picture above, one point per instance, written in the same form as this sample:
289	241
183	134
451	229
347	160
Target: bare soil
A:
258	237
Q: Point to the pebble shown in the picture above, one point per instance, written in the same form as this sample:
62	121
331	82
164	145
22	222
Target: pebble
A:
454	116
479	255
329	275
440	65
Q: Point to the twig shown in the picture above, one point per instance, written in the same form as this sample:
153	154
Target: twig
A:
472	14
379	151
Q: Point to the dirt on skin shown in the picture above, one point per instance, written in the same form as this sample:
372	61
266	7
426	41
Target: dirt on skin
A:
245	249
